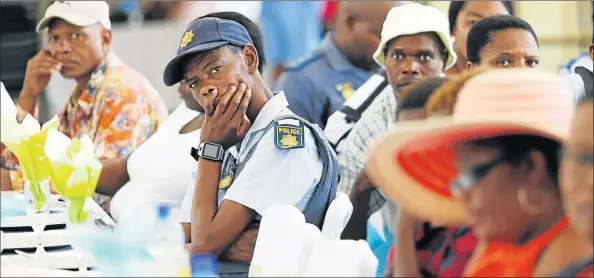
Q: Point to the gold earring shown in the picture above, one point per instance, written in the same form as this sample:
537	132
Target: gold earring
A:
525	203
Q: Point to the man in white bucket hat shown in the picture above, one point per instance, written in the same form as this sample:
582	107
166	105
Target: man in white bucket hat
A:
415	45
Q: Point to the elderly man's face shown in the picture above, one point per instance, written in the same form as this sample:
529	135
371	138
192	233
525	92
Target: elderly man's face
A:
79	49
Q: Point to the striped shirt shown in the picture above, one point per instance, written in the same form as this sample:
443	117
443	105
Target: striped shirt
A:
353	151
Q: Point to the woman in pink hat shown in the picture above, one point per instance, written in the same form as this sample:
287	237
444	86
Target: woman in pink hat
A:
428	242
577	181
491	166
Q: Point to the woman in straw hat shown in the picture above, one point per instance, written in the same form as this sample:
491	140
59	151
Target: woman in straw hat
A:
577	181
427	256
492	166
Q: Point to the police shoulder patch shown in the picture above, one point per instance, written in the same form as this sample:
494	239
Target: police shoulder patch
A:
288	136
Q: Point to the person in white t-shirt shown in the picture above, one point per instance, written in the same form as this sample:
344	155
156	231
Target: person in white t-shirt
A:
157	169
8	107
160	169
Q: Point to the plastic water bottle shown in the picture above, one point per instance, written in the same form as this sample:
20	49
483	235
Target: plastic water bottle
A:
167	247
204	265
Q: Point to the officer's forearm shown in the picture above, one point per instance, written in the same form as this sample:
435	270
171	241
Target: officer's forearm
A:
242	250
204	204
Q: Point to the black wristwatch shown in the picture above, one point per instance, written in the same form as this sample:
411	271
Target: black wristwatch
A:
208	150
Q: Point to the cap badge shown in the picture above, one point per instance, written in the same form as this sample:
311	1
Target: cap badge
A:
187	38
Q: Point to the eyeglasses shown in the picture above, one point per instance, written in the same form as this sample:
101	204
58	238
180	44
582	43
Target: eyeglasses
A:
585	158
467	179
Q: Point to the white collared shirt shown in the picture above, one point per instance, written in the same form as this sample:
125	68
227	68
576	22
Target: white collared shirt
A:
8	108
271	176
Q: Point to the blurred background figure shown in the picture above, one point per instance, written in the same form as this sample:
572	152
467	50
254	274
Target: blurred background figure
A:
318	83
577	180
578	73
186	11
462	16
291	29
153	23
329	12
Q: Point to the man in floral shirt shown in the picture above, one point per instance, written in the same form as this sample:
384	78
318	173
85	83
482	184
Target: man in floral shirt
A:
114	104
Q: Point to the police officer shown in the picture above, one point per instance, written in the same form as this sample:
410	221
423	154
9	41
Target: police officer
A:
250	157
318	84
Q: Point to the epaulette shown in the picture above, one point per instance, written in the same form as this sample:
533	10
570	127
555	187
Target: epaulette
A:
287	135
303	61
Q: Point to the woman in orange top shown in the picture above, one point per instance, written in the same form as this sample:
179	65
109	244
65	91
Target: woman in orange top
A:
491	165
577	181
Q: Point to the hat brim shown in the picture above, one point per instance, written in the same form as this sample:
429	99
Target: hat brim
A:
74	19
173	71
413	164
380	57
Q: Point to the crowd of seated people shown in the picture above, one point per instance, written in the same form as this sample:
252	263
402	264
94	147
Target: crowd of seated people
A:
463	157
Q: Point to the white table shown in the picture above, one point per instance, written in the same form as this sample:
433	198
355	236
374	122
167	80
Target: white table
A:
41	263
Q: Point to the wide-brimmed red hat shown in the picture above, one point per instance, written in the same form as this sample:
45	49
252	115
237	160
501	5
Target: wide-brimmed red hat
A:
412	164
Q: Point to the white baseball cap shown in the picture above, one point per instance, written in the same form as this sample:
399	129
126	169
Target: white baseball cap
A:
413	19
79	13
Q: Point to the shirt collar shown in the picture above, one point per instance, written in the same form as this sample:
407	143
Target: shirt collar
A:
335	58
270	110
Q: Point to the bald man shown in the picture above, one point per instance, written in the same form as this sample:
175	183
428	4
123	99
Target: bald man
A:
318	84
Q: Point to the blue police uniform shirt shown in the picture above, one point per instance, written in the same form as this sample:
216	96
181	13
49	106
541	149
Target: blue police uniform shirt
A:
319	83
287	39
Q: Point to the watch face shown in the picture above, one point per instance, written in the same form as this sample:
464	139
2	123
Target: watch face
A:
211	151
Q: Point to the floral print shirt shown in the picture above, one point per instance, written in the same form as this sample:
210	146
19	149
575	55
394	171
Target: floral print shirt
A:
119	109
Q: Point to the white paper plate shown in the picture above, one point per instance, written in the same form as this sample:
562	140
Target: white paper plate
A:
29	271
19	240
66	259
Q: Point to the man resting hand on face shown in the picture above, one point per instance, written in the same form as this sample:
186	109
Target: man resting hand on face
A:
250	157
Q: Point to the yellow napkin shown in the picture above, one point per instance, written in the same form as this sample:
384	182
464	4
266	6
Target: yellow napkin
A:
27	141
74	170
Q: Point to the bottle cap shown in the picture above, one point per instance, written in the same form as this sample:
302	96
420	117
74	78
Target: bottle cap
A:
203	264
163	211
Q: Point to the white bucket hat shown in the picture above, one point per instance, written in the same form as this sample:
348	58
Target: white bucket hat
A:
413	19
79	13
